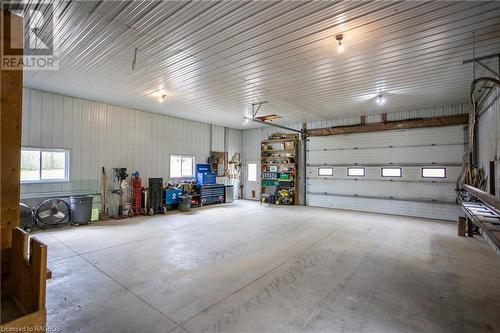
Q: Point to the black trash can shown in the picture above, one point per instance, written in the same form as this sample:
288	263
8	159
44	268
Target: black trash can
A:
81	209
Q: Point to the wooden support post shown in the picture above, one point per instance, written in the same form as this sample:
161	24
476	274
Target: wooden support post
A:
23	260
470	228
461	226
24	304
11	86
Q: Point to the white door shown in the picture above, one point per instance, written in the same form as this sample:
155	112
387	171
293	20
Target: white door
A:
252	180
404	172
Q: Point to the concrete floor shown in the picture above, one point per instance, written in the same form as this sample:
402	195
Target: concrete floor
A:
246	268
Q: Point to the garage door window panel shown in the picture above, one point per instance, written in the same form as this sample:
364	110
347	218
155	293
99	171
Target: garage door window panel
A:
433	172
325	171
392	172
356	172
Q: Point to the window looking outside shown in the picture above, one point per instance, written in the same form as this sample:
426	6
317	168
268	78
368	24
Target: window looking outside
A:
44	165
252	172
181	166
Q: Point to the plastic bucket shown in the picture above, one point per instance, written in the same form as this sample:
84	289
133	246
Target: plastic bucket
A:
184	203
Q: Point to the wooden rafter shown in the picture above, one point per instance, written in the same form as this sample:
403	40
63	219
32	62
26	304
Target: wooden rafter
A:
392	125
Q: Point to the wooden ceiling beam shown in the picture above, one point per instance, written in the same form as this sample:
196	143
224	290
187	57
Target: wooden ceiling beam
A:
461	119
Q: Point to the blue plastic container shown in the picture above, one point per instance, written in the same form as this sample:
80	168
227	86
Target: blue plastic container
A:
171	196
203	168
204	174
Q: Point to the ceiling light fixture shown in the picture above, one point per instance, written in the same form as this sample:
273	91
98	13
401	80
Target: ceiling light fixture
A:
245	120
380	99
162	98
340	47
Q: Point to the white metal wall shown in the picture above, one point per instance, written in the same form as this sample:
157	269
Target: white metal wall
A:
218	138
233	141
251	154
99	134
488	139
411	150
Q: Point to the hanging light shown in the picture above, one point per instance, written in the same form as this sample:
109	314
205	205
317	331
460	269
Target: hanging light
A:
340	47
380	99
162	98
245	120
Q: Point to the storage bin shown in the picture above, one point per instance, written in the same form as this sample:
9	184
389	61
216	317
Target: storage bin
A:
184	203
81	209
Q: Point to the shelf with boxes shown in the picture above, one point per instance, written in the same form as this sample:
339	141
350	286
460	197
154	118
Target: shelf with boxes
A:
279	169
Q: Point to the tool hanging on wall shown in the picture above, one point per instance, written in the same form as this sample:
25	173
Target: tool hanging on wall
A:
234	166
218	163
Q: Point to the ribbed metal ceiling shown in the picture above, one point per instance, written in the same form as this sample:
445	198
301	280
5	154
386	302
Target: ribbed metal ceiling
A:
213	59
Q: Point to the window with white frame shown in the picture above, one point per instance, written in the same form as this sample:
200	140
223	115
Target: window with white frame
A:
181	166
356	172
433	172
392	172
252	172
40	165
325	171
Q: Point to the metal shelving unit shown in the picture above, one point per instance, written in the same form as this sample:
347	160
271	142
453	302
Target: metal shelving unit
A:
279	165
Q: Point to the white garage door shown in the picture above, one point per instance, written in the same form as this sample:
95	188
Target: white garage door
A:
412	160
